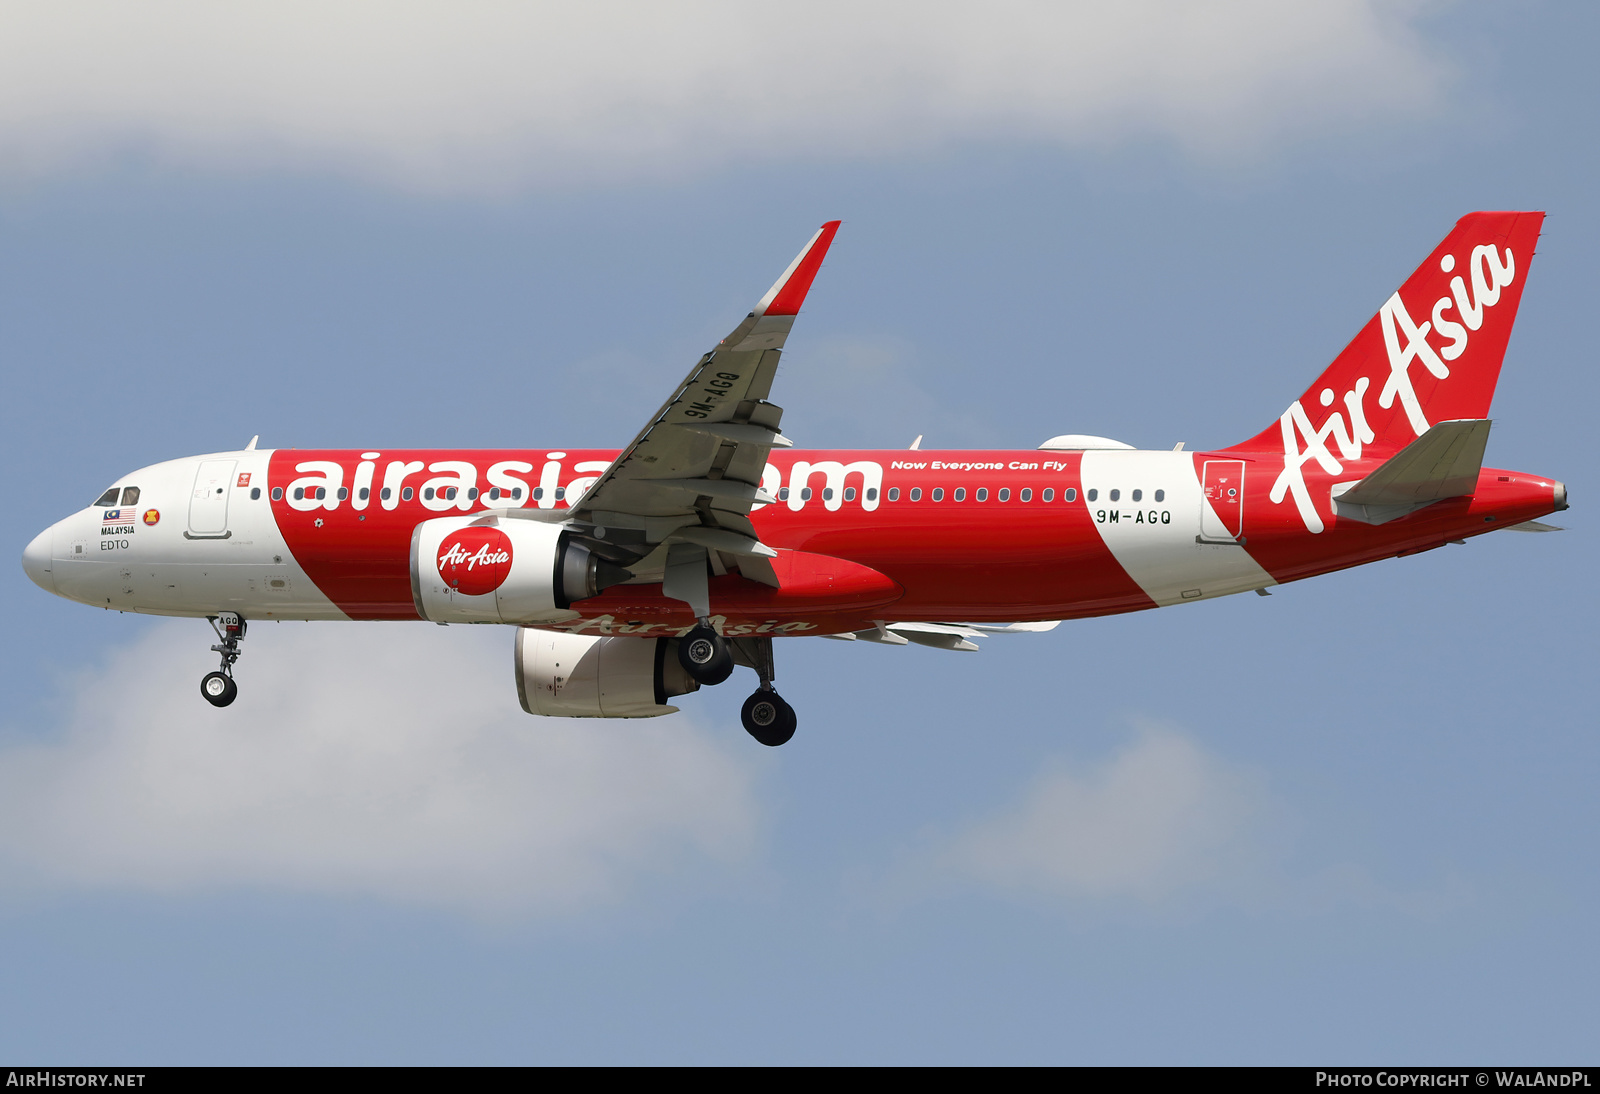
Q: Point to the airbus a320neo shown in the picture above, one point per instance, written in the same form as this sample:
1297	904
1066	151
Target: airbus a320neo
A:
631	576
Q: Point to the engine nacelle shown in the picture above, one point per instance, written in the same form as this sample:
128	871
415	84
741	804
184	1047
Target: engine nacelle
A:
477	570
582	676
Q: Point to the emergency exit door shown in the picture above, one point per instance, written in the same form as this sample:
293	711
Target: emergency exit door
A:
208	506
1222	517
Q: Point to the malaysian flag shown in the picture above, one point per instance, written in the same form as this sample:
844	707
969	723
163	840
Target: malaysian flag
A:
118	516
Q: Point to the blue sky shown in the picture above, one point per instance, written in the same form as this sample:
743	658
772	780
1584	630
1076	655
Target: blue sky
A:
1353	822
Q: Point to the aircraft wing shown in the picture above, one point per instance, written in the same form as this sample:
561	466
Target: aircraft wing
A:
694	471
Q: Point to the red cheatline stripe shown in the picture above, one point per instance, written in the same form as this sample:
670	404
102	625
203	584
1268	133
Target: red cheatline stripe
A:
794	290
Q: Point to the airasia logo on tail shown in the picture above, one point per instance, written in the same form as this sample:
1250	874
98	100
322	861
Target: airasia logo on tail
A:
475	561
1405	343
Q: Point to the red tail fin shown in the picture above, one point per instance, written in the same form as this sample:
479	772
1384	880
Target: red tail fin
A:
1431	354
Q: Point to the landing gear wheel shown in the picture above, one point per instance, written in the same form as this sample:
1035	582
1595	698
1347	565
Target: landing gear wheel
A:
704	654
219	689
768	718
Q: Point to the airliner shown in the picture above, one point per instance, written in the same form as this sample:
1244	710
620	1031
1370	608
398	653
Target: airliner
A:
634	576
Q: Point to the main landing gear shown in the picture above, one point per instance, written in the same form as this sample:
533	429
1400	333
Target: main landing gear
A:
765	715
709	658
768	718
218	687
705	655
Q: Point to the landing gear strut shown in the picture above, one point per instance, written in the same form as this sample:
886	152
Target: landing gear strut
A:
218	687
766	716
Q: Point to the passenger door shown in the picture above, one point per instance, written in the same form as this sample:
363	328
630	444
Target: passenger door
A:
208	506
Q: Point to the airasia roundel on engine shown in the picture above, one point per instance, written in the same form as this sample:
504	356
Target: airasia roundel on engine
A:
475	561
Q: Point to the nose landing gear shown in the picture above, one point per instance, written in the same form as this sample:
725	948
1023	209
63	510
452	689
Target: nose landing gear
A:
218	688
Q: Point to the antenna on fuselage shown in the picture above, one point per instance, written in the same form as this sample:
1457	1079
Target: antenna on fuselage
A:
251	447
916	444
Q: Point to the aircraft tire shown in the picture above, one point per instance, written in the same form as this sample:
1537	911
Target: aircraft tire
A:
218	688
705	655
768	718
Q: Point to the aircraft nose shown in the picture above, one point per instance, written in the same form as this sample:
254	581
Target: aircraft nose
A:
36	560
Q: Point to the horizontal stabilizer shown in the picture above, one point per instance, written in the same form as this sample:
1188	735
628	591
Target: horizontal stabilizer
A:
1015	628
1532	526
944	636
1442	463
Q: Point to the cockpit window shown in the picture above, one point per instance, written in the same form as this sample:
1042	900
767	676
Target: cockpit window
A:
108	498
130	495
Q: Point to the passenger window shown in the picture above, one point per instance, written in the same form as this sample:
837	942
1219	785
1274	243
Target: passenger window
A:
916	493
1138	495
108	498
366	492
322	493
427	493
449	493
783	493
494	493
1005	495
1071	494
561	493
894	493
1092	495
343	493
299	493
385	493
407	494
472	493
805	493
961	493
827	493
1027	495
277	493
938	493
872	493
130	495
982	495
538	493
516	493
1049	494
1161	495
849	493
255	493
1116	495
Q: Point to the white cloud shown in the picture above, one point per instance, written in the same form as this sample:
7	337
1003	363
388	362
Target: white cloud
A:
1159	817
363	759
484	95
888	402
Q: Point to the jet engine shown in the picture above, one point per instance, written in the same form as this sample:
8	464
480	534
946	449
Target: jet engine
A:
485	570
582	676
